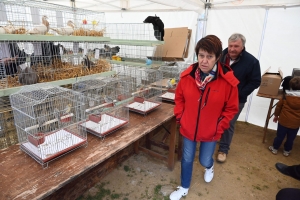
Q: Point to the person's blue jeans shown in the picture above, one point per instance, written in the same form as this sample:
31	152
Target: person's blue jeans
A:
226	137
206	151
290	137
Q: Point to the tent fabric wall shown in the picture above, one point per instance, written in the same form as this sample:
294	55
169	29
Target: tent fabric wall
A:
279	46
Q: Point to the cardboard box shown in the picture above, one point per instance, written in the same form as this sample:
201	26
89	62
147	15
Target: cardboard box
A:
270	83
176	44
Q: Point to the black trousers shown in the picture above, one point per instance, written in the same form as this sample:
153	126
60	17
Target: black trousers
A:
288	194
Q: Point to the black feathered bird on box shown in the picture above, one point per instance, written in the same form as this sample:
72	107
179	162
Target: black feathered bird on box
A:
158	26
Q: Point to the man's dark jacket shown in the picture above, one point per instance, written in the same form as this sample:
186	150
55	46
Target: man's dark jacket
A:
247	70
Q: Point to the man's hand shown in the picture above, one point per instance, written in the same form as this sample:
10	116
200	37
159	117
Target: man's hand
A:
275	119
8	60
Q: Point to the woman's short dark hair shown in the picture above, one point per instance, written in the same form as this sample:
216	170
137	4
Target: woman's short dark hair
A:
210	44
295	83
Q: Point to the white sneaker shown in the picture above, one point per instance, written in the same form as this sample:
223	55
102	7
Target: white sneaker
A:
178	193
209	174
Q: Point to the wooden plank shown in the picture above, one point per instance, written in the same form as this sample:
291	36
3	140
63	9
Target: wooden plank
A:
153	153
23	178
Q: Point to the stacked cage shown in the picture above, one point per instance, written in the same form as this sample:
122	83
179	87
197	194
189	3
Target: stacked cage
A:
134	43
47	120
27	17
147	88
8	135
28	60
105	100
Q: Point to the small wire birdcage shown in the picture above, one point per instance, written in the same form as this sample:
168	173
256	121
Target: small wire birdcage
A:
47	120
171	76
148	87
104	104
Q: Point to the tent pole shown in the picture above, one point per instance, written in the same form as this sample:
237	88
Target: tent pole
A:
207	6
258	57
201	24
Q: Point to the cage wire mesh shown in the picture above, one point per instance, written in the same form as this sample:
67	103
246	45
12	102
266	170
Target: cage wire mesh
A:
22	17
142	32
27	62
8	133
171	75
33	62
104	104
148	87
47	119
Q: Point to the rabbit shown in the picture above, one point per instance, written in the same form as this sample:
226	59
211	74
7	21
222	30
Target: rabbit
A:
28	76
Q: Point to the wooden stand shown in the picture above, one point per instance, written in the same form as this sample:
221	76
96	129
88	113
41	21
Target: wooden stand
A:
271	106
73	174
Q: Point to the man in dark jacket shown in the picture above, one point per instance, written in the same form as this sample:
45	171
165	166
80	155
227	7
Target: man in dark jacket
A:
10	57
246	69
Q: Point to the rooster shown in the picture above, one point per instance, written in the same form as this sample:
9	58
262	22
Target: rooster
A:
67	30
41	29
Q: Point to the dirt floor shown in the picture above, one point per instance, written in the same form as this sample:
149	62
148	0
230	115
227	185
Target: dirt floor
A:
249	173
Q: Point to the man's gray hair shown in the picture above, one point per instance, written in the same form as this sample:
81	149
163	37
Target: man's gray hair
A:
237	36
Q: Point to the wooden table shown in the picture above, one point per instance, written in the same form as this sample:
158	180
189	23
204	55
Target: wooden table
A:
21	177
271	106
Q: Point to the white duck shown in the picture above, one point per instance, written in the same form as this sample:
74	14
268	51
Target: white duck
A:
8	29
67	30
41	29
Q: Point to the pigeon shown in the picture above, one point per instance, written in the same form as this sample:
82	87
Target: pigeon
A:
67	30
107	99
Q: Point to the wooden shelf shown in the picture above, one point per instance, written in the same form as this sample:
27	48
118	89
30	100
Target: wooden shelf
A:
139	63
150	43
9	91
55	38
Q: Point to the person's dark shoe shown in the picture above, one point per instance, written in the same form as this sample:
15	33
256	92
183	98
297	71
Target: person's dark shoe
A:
292	171
282	168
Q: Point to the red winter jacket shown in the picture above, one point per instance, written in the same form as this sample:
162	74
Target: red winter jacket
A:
204	115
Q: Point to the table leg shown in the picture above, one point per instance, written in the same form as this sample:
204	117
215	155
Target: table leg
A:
171	156
267	119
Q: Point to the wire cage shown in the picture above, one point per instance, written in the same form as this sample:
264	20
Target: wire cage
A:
171	75
146	41
104	104
34	62
38	17
8	133
148	88
47	119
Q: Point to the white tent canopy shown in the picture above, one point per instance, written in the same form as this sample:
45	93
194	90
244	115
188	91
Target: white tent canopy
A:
271	28
169	5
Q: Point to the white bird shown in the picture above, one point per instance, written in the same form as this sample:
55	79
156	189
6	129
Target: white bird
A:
67	30
8	29
41	29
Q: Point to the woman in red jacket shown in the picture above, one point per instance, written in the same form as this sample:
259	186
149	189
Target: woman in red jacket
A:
206	99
